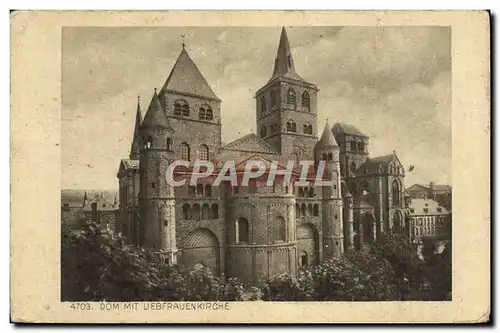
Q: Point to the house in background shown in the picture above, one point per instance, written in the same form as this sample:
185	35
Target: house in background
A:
78	206
439	193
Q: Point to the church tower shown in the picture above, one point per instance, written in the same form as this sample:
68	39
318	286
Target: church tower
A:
327	150
156	196
193	109
286	108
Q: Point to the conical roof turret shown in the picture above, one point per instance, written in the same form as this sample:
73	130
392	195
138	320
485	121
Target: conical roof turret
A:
327	139
155	116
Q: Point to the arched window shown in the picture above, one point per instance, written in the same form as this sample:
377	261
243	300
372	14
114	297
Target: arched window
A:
291	126
241	231
263	131
202	114
199	189
308	129
184	151
303	259
148	141
209	114
208	190
316	210
279	229
303	210
181	108
330	156
186	212
273	97
353	166
215	211
324	157
297	210
310	210
203	153
311	192
169	144
301	192
291	99
306	101
205	212
263	105
196	213
192	190
396	193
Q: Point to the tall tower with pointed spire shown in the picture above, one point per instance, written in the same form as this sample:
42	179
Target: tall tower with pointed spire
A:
286	107
156	197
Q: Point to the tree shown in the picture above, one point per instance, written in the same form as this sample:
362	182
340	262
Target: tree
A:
98	265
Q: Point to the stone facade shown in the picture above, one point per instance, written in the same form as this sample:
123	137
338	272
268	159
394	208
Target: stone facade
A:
257	231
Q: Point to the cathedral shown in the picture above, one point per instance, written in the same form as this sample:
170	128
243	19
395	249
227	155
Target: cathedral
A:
257	231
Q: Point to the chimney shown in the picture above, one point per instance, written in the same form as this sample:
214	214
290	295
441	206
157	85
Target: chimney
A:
94	212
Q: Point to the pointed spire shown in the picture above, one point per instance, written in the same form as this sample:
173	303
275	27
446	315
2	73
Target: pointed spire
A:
327	138
283	64
85	200
155	116
186	78
136	140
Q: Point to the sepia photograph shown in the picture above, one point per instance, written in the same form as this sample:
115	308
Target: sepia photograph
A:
372	103
250	167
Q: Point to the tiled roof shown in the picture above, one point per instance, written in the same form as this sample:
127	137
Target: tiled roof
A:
185	77
75	198
283	64
155	116
131	164
426	207
372	165
341	128
327	138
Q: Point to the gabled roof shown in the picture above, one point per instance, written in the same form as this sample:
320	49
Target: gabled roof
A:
250	143
185	77
417	187
443	188
327	138
75	198
373	165
283	64
155	116
341	128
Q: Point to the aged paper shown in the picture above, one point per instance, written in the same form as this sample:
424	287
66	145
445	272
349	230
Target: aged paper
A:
390	108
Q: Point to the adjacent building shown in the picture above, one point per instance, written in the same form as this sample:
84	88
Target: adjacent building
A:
440	193
256	231
429	219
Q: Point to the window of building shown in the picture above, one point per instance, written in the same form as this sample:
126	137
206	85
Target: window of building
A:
279	229
205	212
209	114
208	190
303	210
236	189
196	212
273	97
396	193
184	151
316	210
361	146
307	129
291	99
202	114
353	166
169	144
241	231
263	105
330	156
297	210
215	211
310	210
199	189
303	259
291	126
426	210
192	190
181	108
153	185
354	145
186	212
203	153
263	131
306	101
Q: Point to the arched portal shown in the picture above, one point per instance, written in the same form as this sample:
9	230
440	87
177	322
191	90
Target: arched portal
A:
307	243
201	247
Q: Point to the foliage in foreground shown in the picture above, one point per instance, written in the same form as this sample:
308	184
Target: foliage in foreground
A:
97	265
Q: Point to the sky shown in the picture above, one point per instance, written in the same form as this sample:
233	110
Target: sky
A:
392	83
